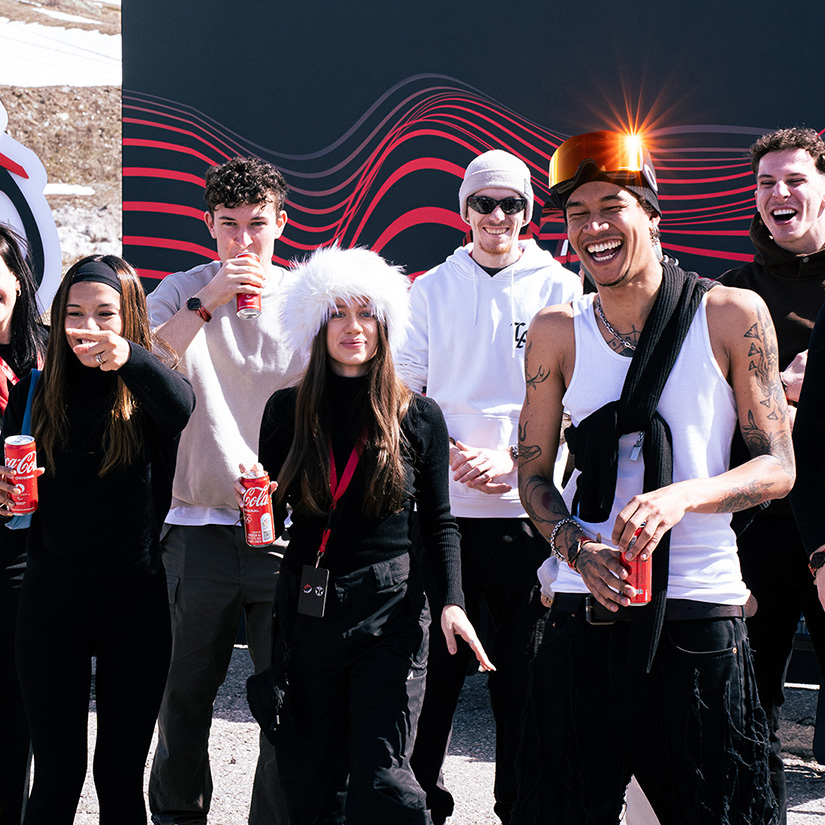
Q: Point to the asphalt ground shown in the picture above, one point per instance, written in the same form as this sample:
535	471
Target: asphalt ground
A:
470	767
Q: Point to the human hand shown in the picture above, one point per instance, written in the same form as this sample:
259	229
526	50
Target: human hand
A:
8	488
240	274
793	375
478	467
819	581
238	487
99	348
645	519
603	573
454	621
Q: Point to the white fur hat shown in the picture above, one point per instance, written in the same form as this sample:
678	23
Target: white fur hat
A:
496	169
333	274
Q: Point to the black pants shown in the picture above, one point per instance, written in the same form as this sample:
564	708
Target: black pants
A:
356	682
499	559
691	731
14	732
62	624
775	568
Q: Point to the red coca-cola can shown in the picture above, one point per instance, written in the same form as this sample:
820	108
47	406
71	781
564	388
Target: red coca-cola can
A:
257	510
248	304
640	578
21	456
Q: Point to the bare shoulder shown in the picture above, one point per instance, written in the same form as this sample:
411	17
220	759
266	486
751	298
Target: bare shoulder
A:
735	313
729	305
552	326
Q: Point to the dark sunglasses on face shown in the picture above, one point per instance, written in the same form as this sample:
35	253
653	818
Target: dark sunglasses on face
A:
485	205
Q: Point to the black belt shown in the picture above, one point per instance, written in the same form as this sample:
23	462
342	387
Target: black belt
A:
586	607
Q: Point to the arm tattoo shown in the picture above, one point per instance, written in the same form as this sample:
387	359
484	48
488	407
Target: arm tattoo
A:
763	353
778	445
542	502
756	439
748	495
539	377
526	452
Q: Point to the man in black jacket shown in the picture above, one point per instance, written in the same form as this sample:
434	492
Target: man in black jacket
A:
788	272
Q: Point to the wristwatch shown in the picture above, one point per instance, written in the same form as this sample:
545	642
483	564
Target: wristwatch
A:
816	561
195	305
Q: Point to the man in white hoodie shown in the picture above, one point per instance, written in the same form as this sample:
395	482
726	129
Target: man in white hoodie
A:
466	350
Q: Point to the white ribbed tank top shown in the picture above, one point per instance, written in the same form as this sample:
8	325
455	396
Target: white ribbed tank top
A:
698	405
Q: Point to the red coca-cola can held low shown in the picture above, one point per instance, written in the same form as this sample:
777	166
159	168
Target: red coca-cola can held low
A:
640	578
248	305
257	510
21	456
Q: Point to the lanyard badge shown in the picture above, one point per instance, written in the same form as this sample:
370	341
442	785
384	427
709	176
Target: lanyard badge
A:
315	580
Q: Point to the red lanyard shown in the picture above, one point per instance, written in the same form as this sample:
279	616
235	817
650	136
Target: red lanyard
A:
12	379
339	488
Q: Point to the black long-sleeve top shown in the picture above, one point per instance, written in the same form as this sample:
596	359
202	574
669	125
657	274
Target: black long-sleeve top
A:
106	526
357	541
808	494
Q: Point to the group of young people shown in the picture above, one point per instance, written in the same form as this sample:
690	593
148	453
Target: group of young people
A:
393	506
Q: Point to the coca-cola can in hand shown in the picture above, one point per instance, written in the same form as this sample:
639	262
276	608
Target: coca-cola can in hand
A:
21	456
248	304
257	510
640	578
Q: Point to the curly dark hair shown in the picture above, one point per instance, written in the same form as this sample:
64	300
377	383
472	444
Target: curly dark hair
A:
242	181
794	138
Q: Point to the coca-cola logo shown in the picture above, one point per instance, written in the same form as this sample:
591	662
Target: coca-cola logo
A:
255	498
25	465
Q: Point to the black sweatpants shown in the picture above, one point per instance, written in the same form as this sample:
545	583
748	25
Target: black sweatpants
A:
63	623
356	683
499	560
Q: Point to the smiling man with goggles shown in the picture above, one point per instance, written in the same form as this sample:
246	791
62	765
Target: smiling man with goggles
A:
618	158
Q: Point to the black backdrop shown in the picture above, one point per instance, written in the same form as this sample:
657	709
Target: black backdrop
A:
372	110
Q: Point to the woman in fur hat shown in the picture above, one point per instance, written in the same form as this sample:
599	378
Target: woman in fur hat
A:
354	452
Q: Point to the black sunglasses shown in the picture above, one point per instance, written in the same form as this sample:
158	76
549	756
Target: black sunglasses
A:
485	205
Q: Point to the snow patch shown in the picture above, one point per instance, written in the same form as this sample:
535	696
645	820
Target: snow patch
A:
68	18
67	189
36	55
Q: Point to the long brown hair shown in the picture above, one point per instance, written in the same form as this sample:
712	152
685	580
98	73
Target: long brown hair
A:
307	463
50	423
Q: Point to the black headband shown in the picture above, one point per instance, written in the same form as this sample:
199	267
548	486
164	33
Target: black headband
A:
98	272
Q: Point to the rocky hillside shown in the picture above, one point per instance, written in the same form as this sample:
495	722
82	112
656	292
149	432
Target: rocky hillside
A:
76	132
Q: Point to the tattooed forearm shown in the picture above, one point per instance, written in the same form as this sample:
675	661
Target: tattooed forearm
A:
543	502
763	353
748	495
776	444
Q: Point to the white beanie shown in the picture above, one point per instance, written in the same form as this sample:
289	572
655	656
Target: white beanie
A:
496	169
333	274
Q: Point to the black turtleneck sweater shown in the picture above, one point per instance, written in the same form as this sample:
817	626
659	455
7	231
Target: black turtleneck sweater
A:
357	541
106	526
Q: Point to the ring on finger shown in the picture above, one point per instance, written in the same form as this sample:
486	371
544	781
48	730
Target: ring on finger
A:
99	359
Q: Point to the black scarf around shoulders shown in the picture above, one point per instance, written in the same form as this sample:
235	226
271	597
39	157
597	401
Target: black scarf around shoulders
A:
595	441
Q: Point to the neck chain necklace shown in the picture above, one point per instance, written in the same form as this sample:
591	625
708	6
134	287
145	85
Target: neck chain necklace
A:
623	341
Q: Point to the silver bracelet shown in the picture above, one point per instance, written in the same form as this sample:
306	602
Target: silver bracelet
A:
559	525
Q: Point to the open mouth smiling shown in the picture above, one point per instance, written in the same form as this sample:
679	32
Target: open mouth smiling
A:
604	250
783	215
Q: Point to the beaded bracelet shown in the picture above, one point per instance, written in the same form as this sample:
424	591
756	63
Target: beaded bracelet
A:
559	525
